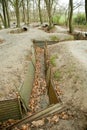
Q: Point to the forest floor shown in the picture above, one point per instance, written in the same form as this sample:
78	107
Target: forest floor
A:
71	65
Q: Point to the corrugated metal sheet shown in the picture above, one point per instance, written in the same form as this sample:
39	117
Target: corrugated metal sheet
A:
26	89
52	94
33	56
10	109
53	98
42	43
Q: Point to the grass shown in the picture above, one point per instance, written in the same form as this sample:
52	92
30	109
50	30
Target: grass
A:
57	75
59	19
54	38
53	60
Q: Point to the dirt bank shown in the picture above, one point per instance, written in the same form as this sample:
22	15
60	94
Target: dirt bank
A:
71	73
13	61
72	66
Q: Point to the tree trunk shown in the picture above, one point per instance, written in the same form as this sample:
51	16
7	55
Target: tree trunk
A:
2	18
49	11
0	23
27	11
7	12
24	12
50	19
70	15
17	13
4	13
86	10
40	16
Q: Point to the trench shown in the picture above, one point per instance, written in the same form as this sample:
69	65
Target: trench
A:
16	108
38	94
42	98
47	70
43	92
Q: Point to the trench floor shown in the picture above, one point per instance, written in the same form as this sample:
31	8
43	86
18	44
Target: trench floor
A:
39	97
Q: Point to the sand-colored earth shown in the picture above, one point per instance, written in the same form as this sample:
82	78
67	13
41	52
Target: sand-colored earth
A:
13	57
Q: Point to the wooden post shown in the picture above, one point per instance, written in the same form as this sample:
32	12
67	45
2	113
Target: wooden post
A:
19	106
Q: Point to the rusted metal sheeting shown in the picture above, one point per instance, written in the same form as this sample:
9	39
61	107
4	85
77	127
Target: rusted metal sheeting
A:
10	109
52	94
42	43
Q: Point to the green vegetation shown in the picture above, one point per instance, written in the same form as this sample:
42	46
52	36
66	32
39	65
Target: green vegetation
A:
56	19
54	38
57	75
53	60
59	19
80	19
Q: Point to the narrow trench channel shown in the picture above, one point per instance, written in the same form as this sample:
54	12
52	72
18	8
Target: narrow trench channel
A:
39	96
42	96
43	93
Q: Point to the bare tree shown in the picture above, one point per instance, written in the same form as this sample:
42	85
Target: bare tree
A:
40	15
7	12
86	10
5	18
16	4
70	15
17	12
24	11
28	11
49	4
4	13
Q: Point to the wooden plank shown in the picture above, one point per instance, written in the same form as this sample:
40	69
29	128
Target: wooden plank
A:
52	109
20	110
9	109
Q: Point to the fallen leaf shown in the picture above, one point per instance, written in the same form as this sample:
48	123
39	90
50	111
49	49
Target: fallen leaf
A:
55	119
65	116
38	123
49	119
24	127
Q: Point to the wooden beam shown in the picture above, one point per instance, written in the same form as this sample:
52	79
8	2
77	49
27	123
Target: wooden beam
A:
57	108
